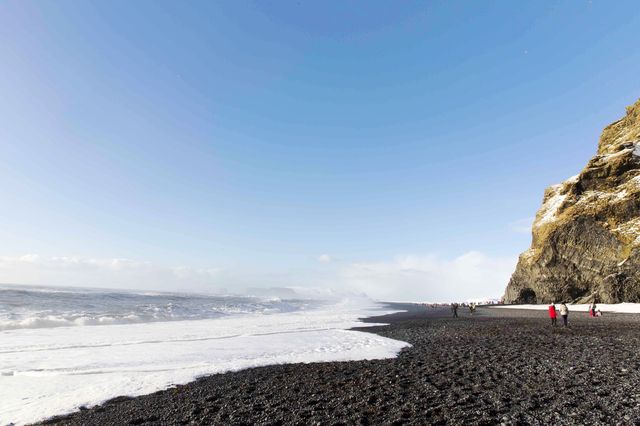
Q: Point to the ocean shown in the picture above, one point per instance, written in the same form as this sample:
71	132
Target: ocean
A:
44	307
63	348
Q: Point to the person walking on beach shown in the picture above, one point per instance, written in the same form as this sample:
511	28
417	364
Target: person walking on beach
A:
553	314
454	309
564	312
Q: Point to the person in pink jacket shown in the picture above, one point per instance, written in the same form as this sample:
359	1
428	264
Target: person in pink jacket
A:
553	314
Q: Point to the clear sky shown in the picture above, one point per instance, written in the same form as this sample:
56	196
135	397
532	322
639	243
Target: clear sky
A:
396	148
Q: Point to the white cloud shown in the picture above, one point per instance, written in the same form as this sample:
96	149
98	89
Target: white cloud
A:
111	272
431	278
522	226
404	278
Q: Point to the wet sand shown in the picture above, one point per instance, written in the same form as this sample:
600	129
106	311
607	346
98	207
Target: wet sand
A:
496	367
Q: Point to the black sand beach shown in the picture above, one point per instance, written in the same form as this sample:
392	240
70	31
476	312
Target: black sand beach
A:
499	366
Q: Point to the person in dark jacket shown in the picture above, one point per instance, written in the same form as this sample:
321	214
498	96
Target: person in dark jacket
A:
454	310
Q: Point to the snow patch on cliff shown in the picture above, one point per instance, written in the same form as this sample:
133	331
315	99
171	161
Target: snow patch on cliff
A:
528	254
630	229
573	179
607	157
550	208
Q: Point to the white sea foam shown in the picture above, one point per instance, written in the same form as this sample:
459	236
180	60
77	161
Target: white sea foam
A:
49	371
29	307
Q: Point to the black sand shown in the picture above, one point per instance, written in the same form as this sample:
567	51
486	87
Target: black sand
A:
499	366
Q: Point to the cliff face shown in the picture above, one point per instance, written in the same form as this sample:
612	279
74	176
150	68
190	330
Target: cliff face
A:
586	235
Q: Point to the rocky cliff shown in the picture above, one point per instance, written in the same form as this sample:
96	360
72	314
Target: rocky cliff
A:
586	235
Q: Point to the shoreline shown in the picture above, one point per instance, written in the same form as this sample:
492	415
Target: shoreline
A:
499	366
53	371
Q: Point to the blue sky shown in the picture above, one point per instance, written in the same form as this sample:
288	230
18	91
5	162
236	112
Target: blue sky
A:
254	137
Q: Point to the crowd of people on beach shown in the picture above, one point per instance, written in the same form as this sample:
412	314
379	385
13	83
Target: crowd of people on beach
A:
564	313
553	311
454	308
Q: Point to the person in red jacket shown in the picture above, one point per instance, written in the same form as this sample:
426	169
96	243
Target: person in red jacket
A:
553	314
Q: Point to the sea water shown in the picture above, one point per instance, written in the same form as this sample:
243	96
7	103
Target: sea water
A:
61	349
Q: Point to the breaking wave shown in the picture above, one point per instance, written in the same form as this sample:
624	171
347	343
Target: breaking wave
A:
32	307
